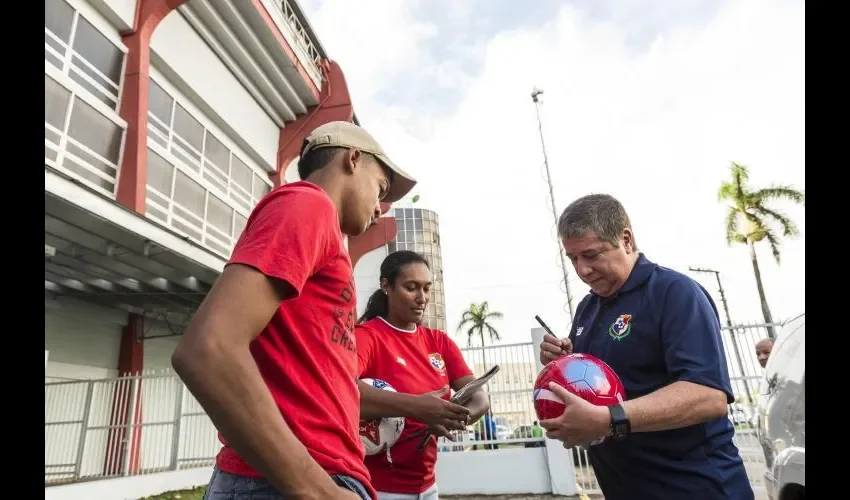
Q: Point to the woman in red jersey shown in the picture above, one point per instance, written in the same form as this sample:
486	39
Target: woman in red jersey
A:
393	346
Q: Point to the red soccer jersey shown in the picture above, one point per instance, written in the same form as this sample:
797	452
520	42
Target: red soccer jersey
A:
412	362
307	353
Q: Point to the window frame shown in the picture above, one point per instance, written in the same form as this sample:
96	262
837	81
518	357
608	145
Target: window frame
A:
62	77
110	33
198	171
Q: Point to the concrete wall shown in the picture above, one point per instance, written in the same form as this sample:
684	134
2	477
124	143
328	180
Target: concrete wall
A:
83	340
157	355
290	173
493	472
367	275
130	488
481	472
121	13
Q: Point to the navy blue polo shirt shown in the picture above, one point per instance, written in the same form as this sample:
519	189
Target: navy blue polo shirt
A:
659	328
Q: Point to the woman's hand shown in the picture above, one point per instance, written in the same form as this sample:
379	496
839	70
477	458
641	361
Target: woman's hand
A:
431	409
440	431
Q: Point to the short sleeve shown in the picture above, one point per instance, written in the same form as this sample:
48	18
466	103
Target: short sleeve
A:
690	335
289	236
365	349
456	366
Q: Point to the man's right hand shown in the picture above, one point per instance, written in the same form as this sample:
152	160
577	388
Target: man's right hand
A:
432	409
553	348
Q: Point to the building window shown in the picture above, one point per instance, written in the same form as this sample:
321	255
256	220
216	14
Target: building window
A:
85	55
179	201
80	139
83	134
182	136
196	182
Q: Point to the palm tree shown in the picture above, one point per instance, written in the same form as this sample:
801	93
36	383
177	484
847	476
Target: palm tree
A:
476	318
747	221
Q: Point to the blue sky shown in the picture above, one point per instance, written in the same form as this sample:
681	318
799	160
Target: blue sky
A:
646	100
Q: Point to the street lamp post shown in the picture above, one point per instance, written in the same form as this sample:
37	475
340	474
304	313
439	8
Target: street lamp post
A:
535	96
731	329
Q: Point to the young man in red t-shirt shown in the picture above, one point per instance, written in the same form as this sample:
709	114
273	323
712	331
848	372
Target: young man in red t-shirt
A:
394	347
271	353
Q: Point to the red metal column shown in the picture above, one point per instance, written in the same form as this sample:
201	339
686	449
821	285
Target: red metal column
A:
126	395
132	179
334	105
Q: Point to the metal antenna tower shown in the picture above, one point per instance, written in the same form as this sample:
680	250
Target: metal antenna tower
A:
535	94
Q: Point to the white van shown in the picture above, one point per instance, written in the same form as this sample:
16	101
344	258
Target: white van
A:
781	413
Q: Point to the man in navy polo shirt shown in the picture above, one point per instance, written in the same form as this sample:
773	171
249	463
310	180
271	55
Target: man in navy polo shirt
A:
660	332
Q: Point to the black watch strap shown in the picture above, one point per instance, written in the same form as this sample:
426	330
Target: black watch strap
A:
620	425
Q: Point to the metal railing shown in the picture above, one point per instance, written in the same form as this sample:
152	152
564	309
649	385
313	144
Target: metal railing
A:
288	21
124	426
746	375
511	404
149	422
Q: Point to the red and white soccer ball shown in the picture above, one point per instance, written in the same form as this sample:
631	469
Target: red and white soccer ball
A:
380	434
584	375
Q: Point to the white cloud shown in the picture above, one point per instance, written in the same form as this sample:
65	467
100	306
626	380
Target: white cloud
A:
375	41
655	124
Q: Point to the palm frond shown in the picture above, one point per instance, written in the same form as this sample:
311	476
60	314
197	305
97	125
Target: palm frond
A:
465	319
470	334
726	192
788	226
774	244
781	193
740	177
731	225
759	228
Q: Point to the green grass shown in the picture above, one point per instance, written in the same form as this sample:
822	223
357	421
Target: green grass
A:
193	494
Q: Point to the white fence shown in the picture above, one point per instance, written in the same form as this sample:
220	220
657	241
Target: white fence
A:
123	426
150	423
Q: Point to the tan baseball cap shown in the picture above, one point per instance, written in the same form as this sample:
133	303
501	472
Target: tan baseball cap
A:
348	135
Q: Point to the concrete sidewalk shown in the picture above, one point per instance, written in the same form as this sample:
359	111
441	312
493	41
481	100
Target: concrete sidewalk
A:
761	494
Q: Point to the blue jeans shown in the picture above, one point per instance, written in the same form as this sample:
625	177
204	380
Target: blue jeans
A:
226	486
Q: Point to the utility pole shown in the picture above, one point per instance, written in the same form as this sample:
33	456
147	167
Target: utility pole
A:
731	330
535	94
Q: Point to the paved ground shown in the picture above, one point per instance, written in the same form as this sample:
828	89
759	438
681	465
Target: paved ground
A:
747	444
760	495
508	497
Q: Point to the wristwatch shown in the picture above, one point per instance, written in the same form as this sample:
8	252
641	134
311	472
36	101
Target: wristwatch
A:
620	426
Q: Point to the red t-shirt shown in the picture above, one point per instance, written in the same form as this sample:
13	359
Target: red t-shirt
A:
307	353
414	363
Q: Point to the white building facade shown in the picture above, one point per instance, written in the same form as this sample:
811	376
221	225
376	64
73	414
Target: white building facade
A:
166	121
